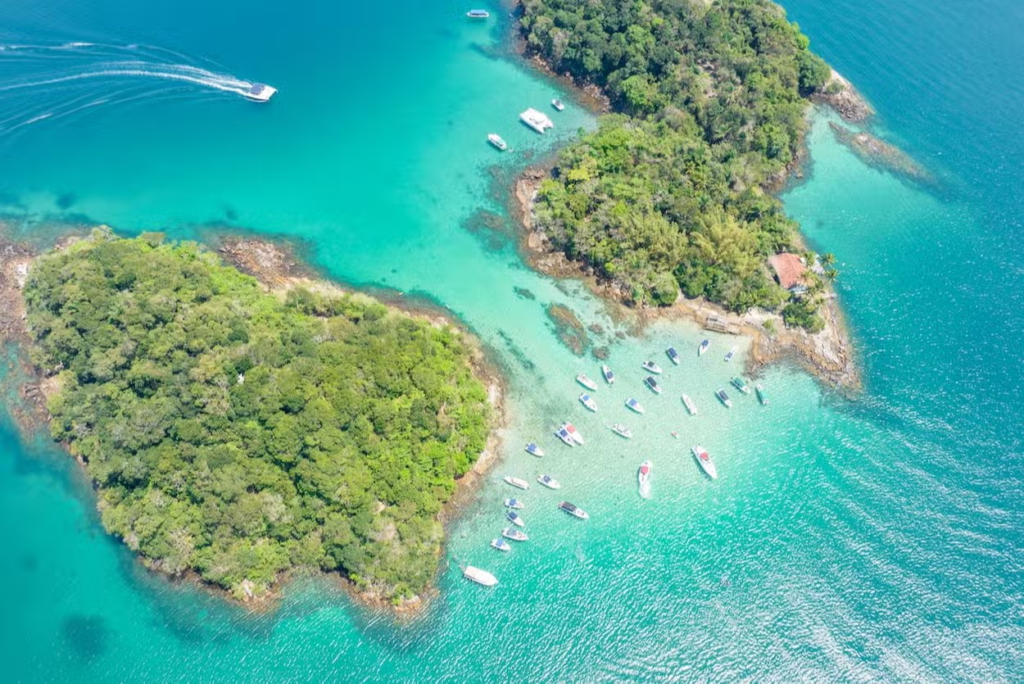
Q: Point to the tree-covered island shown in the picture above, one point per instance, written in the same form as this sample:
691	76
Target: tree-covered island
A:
670	192
238	434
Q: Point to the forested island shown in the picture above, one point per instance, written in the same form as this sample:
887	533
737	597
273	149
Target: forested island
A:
237	433
671	192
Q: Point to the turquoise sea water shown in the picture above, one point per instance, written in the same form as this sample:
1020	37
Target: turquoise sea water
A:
872	539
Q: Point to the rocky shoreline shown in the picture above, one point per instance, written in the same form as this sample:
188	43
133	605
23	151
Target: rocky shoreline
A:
278	270
840	95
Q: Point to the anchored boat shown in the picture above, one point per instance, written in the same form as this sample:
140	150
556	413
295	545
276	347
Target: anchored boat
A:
673	355
724	398
652	367
549	482
574	433
634	405
564	435
587	401
706	464
621	431
497	141
609	377
517	482
536	120
741	385
732	353
586	382
761	395
691	408
534	450
479	576
703	347
501	544
515	519
478	14
558	105
514	504
514	534
653	385
573	510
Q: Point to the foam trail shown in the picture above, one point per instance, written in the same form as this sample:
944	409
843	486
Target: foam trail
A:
208	80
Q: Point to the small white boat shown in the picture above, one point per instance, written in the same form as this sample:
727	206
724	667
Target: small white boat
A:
534	450
500	544
724	398
621	431
705	462
652	367
260	92
517	482
478	14
586	382
558	105
703	347
652	385
479	576
762	396
589	402
691	408
643	477
574	510
564	435
732	353
549	482
634	405
497	141
741	385
514	504
514	534
609	377
536	120
673	355
515	519
574	433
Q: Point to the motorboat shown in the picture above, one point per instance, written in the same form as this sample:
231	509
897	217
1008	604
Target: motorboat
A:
558	105
515	519
260	92
589	402
643	478
691	408
586	382
724	398
517	482
514	534
514	504
652	367
534	450
609	377
574	433
573	510
705	462
497	141
549	482
621	431
479	576
703	347
634	405
500	544
673	355
652	384
564	435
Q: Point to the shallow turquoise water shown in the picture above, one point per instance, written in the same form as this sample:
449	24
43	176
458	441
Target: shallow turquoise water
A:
875	539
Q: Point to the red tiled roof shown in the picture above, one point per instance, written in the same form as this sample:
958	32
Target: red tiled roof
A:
789	269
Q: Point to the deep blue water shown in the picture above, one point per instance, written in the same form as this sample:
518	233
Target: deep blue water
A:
873	539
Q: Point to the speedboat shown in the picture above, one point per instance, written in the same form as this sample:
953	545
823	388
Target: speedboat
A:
517	482
558	105
621	431
634	405
514	534
724	398
690	406
703	347
609	377
586	382
514	504
573	510
549	482
653	385
652	367
479	576
643	478
761	395
500	544
732	353
587	401
706	464
259	92
514	518
536	120
497	141
673	355
740	384
534	450
564	435
574	433
478	14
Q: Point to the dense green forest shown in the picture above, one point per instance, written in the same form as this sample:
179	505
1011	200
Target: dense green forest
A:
670	193
239	434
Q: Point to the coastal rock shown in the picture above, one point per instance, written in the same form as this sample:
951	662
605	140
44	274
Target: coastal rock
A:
881	155
840	95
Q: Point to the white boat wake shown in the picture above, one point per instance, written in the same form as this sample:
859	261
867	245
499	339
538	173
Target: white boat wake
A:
56	81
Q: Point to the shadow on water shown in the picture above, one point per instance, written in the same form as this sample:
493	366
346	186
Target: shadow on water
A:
87	636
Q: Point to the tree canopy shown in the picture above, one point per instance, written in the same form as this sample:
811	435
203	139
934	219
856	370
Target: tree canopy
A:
711	99
238	434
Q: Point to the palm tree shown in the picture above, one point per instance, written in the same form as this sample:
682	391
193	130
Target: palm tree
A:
828	258
831	274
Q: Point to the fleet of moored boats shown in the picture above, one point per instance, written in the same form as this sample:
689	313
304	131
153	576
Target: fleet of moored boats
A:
570	436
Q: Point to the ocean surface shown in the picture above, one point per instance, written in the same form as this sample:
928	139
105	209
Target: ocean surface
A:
878	538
